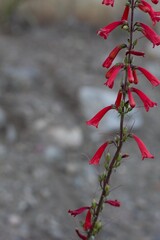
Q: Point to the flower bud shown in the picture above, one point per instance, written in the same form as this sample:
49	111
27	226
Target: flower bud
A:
94	204
107	189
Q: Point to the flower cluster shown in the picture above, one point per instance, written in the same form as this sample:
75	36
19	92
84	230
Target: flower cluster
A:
123	104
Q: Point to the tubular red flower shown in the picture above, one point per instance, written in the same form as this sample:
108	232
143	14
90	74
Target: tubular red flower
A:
108	62
104	32
143	149
114	203
136	53
153	79
119	98
125	13
108	2
78	211
80	235
97	156
135	77
131	99
87	224
113	74
110	71
155	1
146	7
149	33
130	74
148	103
97	118
157	16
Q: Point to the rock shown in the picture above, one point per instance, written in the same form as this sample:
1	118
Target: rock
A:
52	154
14	220
3	118
3	150
93	99
19	78
11	133
72	138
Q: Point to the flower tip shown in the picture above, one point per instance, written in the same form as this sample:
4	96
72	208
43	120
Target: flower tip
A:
114	203
90	123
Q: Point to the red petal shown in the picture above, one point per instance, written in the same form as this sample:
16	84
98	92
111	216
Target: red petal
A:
143	149
97	156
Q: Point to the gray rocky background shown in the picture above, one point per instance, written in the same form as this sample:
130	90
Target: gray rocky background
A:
51	83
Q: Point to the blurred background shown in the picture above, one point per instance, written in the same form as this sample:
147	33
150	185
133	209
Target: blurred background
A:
51	82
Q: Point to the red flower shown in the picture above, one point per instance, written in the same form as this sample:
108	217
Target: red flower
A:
155	1
107	63
114	203
80	235
157	16
131	99
145	99
136	53
118	100
153	79
108	2
87	224
143	149
146	7
110	71
149	33
97	156
104	32
130	74
135	77
125	13
112	75
97	118
78	211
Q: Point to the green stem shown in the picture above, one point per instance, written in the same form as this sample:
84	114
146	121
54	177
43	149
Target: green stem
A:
119	147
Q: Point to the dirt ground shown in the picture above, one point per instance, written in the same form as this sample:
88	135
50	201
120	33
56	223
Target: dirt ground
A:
45	144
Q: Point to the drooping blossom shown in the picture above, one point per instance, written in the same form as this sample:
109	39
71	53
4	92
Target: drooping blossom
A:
110	71
153	79
104	32
88	224
97	156
114	203
113	74
155	1
118	99
108	2
157	16
97	118
125	13
135	77
131	99
130	74
108	62
78	211
80	235
146	7
136	53
143	149
148	103
149	33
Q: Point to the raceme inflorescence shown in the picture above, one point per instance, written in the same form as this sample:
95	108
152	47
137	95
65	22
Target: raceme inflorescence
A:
123	104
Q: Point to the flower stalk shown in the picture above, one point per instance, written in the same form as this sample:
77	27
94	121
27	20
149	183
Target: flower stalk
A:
124	103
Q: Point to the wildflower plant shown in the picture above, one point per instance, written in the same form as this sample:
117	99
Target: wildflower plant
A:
124	104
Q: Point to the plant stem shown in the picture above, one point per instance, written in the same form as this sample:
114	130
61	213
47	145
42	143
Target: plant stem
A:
119	147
